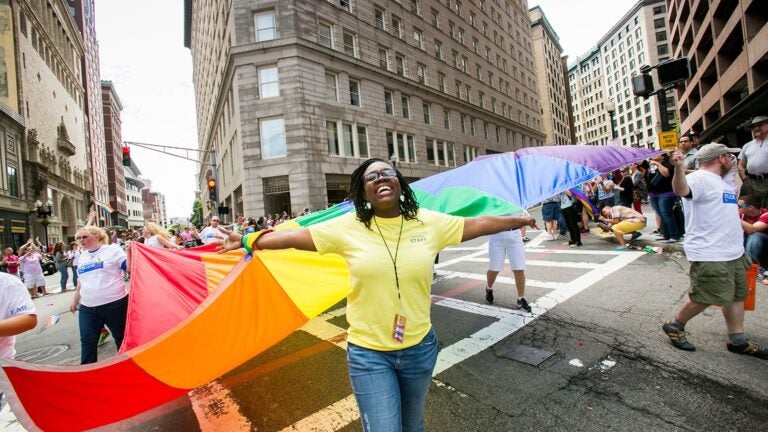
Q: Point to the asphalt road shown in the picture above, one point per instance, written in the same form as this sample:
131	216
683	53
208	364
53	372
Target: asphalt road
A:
598	311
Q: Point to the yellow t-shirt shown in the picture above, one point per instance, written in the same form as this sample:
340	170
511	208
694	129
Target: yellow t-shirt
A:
373	301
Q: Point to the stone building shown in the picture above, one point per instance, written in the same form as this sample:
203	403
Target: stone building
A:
727	44
293	95
113	140
84	15
601	81
51	101
14	202
133	187
553	84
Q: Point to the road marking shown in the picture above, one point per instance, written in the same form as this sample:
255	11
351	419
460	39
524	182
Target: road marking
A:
344	412
565	264
217	410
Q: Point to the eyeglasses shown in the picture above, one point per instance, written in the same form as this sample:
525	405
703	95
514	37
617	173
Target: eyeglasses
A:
214	220
78	238
375	175
743	205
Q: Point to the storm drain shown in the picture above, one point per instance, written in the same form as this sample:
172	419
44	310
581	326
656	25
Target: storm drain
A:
40	355
528	355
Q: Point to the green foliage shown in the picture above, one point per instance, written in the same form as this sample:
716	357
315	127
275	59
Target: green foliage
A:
197	213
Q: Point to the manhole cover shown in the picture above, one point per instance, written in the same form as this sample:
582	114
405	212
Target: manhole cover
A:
39	355
528	355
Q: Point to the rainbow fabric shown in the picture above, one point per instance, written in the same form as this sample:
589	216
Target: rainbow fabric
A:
106	208
588	206
194	315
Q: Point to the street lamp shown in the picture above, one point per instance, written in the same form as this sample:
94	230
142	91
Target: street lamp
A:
611	108
393	159
43	215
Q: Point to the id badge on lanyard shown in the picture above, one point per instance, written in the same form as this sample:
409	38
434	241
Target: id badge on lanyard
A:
398	328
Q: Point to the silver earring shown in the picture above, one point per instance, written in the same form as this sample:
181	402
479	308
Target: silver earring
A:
402	198
368	205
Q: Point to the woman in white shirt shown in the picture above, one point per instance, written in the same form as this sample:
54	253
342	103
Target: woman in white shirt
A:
101	296
157	237
74	258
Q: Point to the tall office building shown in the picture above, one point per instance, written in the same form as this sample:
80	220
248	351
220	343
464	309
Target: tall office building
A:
113	142
293	95
727	44
601	81
553	86
84	15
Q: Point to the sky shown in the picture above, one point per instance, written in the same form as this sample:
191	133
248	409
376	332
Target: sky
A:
141	49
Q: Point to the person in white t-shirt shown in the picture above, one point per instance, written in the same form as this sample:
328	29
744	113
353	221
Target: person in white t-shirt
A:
714	246
29	264
17	313
101	296
211	233
157	237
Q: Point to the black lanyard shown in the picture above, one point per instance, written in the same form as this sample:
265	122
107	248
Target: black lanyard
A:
397	249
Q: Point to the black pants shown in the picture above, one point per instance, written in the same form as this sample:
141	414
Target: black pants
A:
571	217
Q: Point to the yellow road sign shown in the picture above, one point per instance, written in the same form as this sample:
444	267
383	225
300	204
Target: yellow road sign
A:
668	140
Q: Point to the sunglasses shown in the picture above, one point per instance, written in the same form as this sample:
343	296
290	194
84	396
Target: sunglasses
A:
375	175
743	205
214	220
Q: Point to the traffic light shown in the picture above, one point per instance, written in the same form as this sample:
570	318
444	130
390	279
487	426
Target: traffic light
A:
126	156
212	189
673	70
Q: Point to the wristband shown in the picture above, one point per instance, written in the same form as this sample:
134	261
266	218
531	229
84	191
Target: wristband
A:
249	240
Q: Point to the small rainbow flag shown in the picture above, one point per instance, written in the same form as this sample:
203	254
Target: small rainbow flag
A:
106	208
53	320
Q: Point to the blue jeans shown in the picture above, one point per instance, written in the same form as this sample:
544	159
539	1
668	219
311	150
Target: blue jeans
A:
92	319
391	386
663	207
757	248
64	278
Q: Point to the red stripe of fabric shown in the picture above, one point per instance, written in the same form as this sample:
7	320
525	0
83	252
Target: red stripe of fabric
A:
96	397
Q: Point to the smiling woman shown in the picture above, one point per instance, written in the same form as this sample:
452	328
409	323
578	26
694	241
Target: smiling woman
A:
389	245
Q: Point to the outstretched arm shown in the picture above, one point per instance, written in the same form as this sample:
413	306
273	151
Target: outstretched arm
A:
283	239
485	225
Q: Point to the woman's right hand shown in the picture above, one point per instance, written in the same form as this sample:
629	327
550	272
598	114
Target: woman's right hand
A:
232	241
73	306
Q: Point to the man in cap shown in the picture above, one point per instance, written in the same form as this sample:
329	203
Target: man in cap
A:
689	143
713	201
753	161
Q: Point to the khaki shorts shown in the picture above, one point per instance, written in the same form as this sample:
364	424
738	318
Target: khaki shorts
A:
758	188
719	283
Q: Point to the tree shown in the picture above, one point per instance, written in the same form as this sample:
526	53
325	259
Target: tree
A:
197	213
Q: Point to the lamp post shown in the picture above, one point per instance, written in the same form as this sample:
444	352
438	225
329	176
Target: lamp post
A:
43	215
393	159
610	106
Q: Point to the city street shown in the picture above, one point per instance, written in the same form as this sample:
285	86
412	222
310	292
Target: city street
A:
598	311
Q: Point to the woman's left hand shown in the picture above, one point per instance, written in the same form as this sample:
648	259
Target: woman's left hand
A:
233	241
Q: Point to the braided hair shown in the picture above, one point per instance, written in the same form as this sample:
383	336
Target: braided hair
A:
408	206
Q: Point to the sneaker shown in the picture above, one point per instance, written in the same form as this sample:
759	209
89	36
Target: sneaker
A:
749	348
526	239
620	248
103	336
489	295
678	337
668	241
635	235
523	304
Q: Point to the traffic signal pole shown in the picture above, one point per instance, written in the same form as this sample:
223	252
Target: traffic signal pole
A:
214	175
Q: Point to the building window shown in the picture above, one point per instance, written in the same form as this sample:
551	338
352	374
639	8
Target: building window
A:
354	92
421	73
427	109
441	81
463	123
346	5
402	146
13	181
406	102
265	26
435	17
418	38
397	26
388	103
400	64
325	34
332	131
472	126
446	119
350	44
661	36
268	82
378	18
331	87
662	49
346	139
384	58
415	7
272	132
441	153
470	152
438	49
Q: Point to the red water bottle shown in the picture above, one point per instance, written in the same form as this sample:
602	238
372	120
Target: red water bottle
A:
749	302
